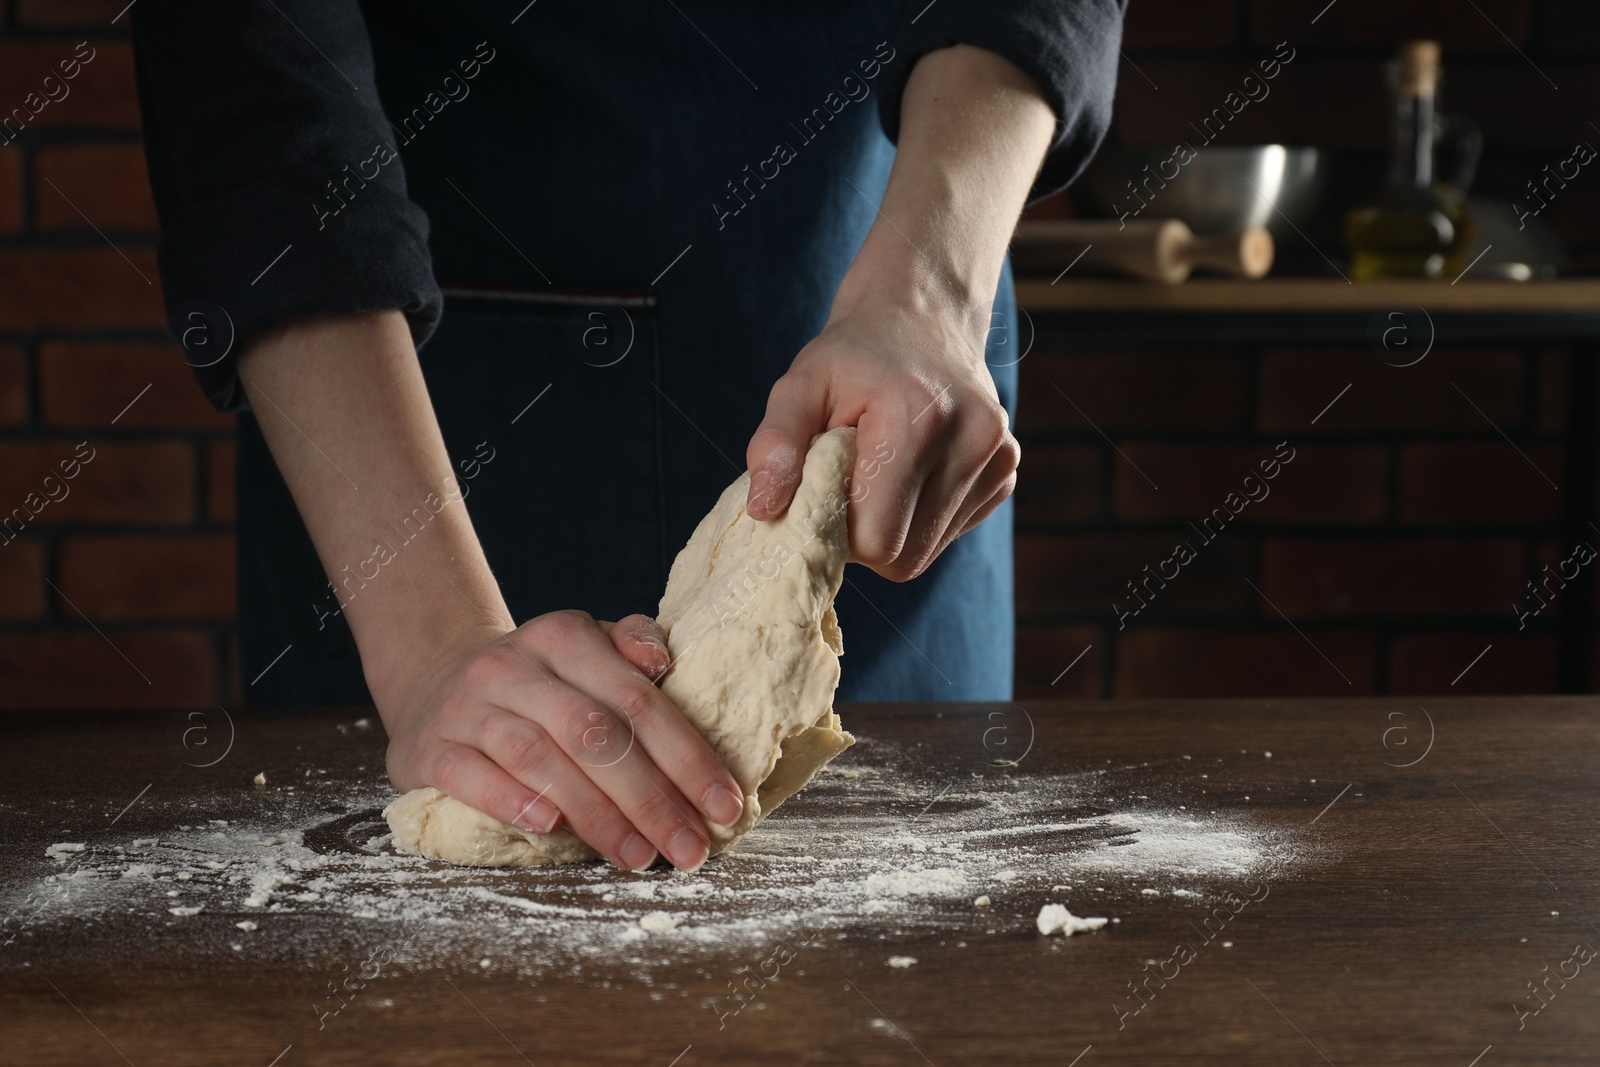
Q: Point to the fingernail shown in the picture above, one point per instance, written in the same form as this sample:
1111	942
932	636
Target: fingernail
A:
687	850
759	481
636	853
723	805
537	817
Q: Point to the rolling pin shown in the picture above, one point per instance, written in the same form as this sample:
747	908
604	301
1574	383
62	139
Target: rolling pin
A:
1158	250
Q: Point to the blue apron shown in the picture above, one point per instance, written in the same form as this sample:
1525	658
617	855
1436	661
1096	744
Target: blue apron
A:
636	234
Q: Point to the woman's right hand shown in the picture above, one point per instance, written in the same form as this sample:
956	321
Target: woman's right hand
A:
560	721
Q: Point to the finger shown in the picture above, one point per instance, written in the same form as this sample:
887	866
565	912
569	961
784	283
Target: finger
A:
530	754
797	409
948	501
642	642
634	743
893	461
988	507
607	748
472	778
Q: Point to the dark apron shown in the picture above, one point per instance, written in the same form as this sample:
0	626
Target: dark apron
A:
594	406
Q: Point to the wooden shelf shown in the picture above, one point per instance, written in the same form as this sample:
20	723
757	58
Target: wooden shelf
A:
1570	295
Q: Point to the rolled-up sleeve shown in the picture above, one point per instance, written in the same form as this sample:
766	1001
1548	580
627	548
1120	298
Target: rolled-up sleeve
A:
276	175
1069	47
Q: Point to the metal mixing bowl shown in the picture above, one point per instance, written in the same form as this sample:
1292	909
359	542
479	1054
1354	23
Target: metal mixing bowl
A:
1222	188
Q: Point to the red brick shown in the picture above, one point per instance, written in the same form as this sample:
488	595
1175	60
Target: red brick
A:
1045	652
232	681
1200	391
1321	484
62	13
123	578
1432	577
1384	22
81	289
141	483
1211	663
1058	483
1488	482
1344	103
1515	106
21	579
102	95
90	384
220	498
1552	416
1576	213
10	190
13	386
83	669
1568	26
1431	663
106	183
1338	105
1088	573
1180	24
1438	393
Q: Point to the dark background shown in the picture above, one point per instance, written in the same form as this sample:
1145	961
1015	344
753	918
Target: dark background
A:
1397	540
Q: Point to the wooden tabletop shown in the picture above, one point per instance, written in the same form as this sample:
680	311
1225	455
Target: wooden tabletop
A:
1569	295
1381	889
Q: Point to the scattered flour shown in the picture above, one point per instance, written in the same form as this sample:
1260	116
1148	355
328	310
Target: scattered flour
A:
902	962
856	855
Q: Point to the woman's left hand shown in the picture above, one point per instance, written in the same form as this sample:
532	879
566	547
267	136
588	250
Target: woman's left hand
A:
901	357
934	450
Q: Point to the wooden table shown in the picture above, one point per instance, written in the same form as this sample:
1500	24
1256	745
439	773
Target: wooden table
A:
1446	855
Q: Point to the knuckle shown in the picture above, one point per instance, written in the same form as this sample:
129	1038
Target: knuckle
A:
446	767
561	627
656	809
637	703
523	749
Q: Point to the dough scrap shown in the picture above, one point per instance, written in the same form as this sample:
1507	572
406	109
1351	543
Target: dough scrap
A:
754	646
1056	919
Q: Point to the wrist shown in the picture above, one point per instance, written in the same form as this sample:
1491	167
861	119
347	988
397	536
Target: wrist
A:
945	285
434	615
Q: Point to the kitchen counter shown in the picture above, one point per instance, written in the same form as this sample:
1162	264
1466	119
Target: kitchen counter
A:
1292	882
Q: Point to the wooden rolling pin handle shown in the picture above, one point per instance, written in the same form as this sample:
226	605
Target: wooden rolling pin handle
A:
1246	252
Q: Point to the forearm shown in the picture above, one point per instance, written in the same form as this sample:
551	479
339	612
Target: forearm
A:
973	132
342	404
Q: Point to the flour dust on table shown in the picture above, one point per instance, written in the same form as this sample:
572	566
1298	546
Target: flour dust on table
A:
754	647
870	853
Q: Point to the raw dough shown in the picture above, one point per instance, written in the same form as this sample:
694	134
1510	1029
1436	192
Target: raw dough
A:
1056	919
755	651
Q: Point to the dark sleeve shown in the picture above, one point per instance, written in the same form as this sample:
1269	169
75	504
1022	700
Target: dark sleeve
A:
267	152
1069	47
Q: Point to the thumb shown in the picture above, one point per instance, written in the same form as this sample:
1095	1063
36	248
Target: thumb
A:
642	642
797	409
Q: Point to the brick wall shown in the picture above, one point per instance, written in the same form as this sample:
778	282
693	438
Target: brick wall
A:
116	584
1405	527
1391	538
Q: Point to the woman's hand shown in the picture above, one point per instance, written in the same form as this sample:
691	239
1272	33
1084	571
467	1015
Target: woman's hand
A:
560	721
934	451
901	357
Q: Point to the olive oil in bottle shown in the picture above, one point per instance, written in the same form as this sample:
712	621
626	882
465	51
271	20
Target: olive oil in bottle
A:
1417	226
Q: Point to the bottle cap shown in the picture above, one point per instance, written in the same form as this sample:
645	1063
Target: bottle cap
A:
1418	68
